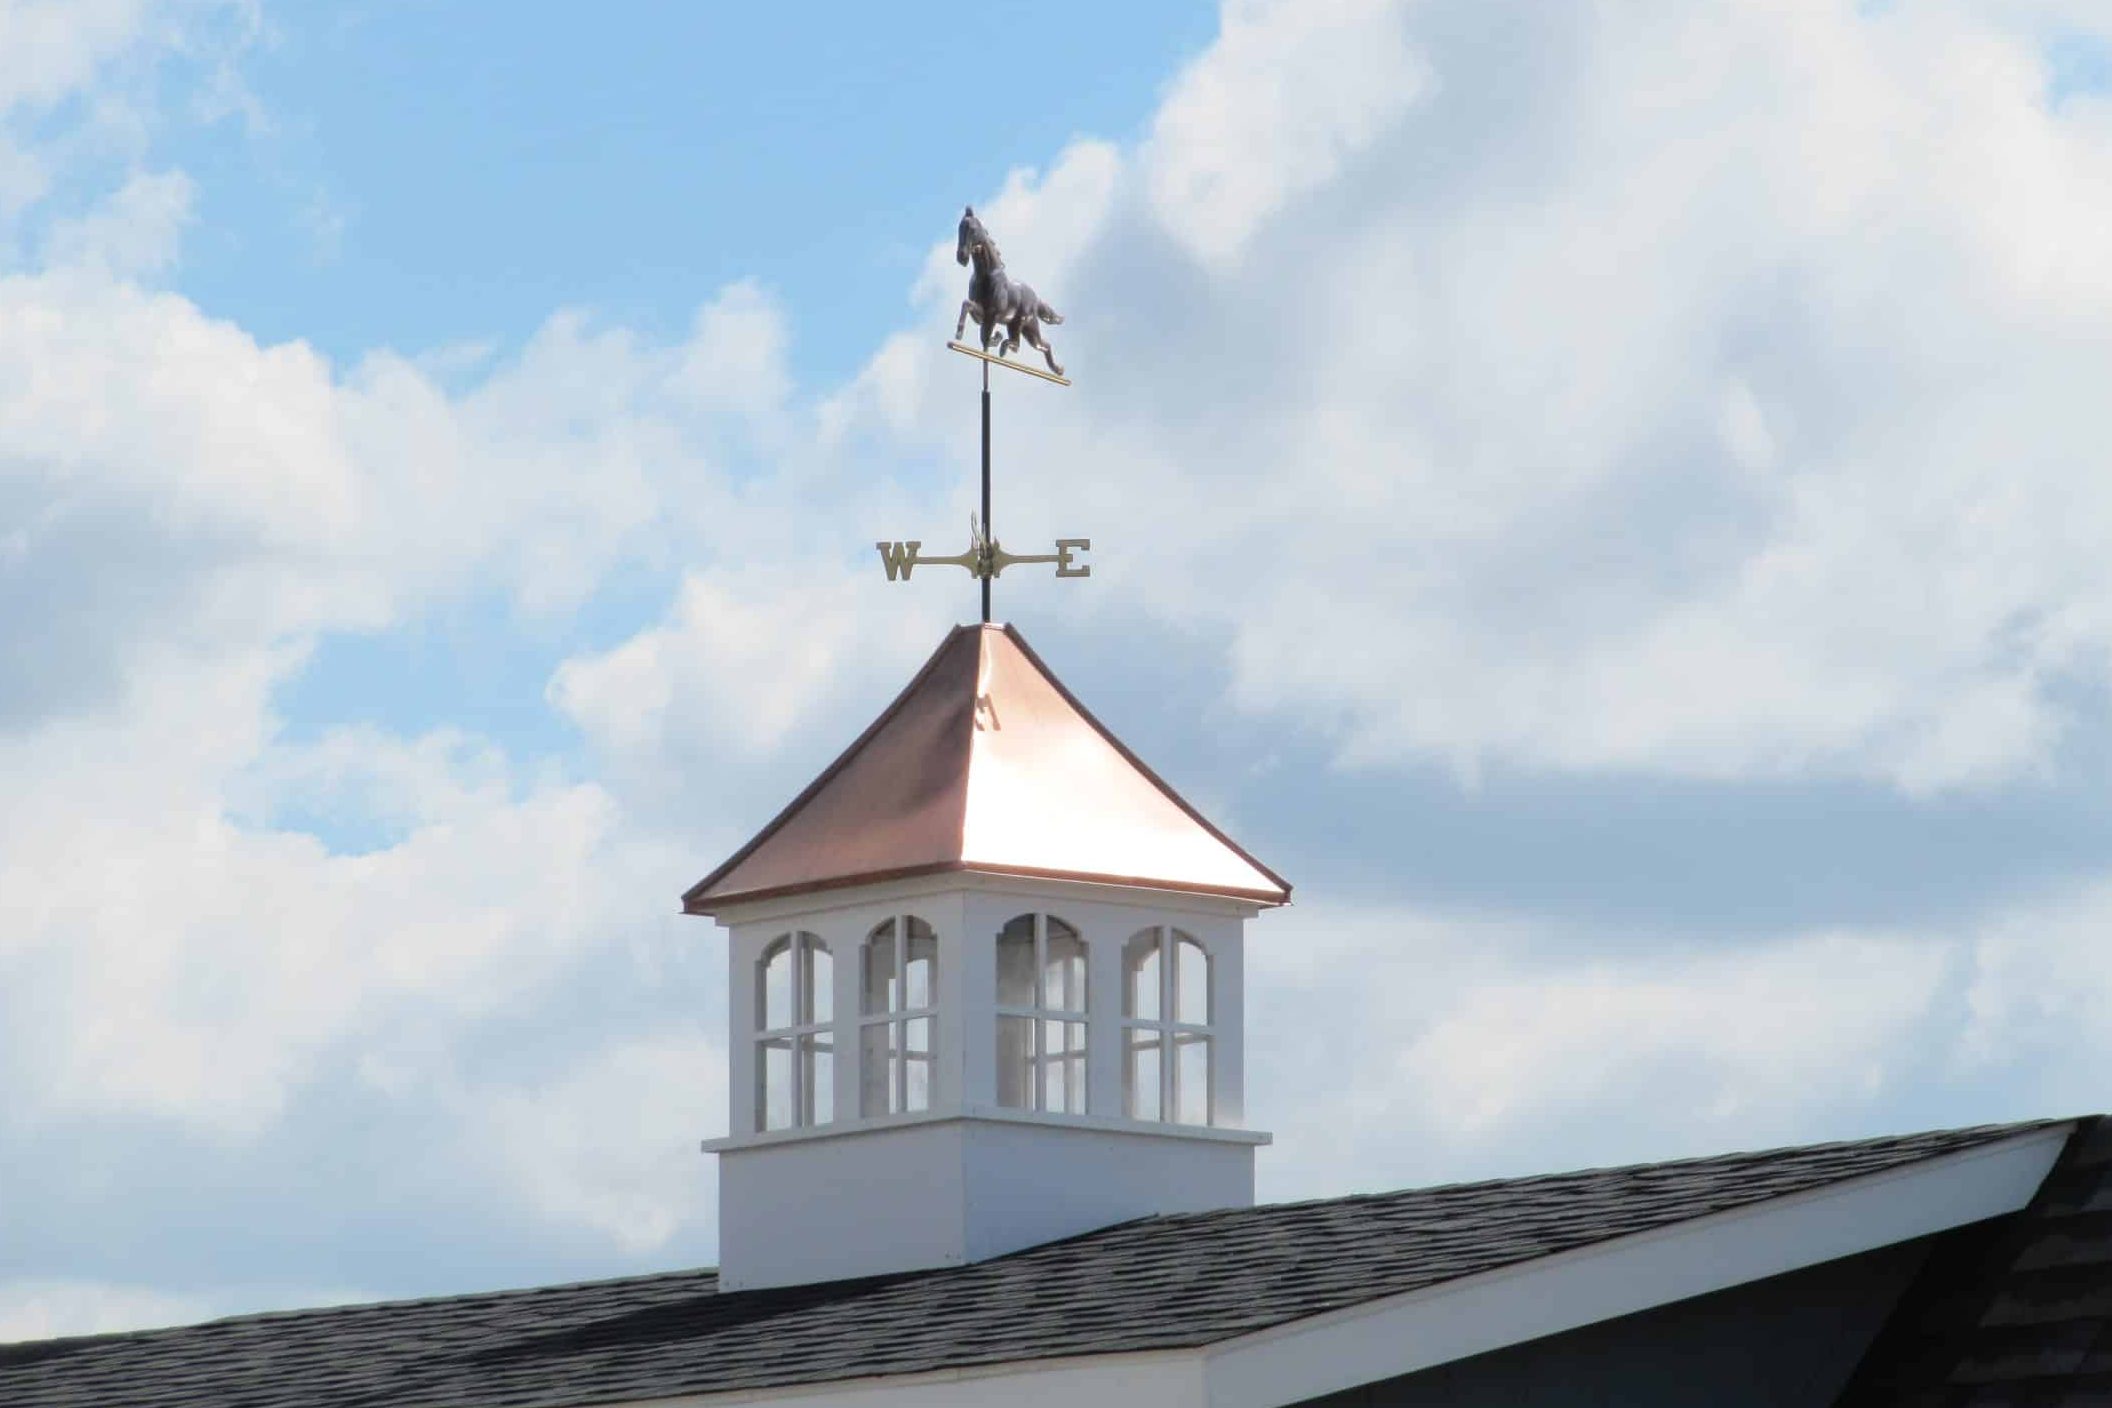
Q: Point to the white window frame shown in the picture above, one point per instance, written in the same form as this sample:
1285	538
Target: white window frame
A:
1039	1014
1165	1026
803	1030
898	1058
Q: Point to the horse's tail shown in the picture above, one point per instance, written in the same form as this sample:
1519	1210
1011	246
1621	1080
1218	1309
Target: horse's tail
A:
1045	313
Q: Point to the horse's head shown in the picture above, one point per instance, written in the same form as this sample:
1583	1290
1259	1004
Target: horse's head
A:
973	239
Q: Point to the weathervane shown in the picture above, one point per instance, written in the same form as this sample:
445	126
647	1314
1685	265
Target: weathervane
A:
1000	305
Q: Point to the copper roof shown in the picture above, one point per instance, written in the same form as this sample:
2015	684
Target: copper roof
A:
987	763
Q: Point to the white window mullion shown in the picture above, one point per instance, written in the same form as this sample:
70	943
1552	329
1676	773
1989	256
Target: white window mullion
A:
897	1028
803	1017
1050	1003
1169	1059
1038	1097
898	1039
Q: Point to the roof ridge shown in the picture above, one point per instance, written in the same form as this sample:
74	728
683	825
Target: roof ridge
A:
1982	1132
357	1306
1148	1285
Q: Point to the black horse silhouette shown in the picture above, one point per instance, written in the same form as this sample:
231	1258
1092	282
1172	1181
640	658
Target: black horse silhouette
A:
997	301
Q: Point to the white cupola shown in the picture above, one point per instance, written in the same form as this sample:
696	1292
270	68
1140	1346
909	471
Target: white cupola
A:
985	989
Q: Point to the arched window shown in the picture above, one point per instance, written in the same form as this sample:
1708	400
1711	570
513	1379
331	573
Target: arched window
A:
899	983
795	1060
1166	1033
1041	1015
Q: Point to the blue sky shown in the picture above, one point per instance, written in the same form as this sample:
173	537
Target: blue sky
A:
1610	503
428	174
424	176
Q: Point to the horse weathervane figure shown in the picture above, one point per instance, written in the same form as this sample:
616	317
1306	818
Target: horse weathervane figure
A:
995	301
999	304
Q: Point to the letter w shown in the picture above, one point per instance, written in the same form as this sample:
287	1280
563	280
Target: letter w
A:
898	559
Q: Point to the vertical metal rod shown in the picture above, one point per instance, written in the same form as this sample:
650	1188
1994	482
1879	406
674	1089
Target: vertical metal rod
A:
989	533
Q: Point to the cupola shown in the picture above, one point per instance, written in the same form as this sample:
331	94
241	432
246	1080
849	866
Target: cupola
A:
985	977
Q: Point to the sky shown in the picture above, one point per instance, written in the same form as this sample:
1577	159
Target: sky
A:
1611	501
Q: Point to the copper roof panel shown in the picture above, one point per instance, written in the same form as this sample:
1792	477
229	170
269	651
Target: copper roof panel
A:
985	762
1049	789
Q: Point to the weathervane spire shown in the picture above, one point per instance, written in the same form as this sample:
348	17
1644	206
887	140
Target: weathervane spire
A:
1006	311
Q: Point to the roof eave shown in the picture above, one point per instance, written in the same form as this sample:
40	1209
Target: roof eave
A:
712	905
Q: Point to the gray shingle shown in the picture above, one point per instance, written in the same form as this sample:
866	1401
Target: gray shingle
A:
2017	1311
1157	1283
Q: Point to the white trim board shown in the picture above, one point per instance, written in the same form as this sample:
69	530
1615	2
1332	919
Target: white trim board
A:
1530	1300
1380	1339
862	893
993	1114
1163	1379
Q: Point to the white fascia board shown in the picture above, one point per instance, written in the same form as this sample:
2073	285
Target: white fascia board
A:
1031	887
989	1114
1164	1380
1400	1334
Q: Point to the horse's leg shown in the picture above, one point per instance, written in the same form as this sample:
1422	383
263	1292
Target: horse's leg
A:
991	324
968	306
1019	320
1041	344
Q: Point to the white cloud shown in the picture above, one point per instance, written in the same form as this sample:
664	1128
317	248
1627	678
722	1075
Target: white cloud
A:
1273	110
165	959
1732	1040
1391	1046
171	489
55	47
1705	393
97	61
46	1309
134	232
188	514
610	1143
751	666
1395	1046
2041	995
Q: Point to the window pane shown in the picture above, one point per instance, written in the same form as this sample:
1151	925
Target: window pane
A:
773	1073
876	1071
1063	981
818	1002
1140	1078
817	1055
1015	963
1191	985
1192	1079
1015	1062
1063	1067
1140	960
878	983
918	1054
920	976
776	996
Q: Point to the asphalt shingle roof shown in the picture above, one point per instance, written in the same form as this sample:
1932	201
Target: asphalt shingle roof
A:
1157	1283
2015	1313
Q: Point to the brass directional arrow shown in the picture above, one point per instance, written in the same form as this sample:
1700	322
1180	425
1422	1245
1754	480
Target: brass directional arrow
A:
1067	564
984	558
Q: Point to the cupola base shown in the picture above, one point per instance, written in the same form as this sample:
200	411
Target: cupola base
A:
913	1192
